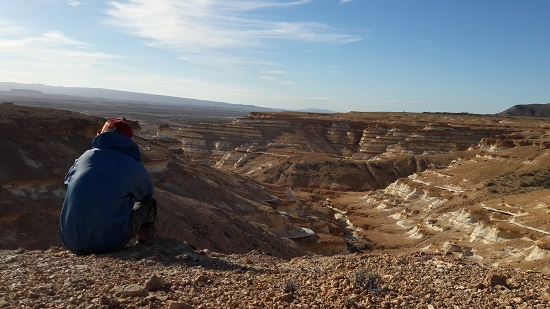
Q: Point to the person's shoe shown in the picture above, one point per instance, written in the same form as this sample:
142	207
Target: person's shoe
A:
146	232
147	228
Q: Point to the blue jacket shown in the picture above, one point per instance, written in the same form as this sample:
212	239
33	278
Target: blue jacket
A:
102	186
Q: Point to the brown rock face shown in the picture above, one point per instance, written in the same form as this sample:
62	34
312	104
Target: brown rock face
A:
290	183
459	183
348	152
208	208
38	145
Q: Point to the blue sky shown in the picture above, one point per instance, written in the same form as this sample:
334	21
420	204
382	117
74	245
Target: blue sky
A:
474	56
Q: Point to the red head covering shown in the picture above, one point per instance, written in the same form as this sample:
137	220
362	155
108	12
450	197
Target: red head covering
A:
117	125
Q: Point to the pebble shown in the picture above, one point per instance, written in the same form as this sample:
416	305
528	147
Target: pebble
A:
201	279
179	305
38	279
154	283
134	290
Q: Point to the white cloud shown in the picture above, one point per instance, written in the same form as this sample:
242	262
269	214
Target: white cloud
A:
59	38
214	24
393	101
323	99
273	76
41	43
300	98
46	53
285	82
225	35
7	27
345	1
266	77
75	3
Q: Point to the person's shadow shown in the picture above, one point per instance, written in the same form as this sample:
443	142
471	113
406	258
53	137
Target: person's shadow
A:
169	251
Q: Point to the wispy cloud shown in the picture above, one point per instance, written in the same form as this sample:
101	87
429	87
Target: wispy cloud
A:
277	72
14	36
274	76
393	101
75	3
267	77
7	27
323	99
345	1
59	38
275	80
215	24
47	39
51	51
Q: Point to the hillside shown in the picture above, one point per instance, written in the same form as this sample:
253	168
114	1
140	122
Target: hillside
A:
528	110
357	210
41	144
475	185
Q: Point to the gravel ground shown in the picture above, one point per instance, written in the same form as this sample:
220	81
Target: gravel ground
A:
171	274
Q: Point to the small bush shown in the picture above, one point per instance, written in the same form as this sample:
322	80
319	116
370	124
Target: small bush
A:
290	286
525	184
359	245
351	303
367	281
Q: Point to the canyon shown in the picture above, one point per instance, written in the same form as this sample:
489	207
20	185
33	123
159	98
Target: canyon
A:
473	185
288	210
289	183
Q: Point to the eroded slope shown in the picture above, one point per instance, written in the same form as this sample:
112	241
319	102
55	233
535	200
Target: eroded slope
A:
475	185
205	207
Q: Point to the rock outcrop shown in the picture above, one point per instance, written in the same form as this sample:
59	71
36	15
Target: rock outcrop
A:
261	141
421	175
355	135
488	206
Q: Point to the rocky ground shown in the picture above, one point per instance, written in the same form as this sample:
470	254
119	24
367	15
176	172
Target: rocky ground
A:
171	274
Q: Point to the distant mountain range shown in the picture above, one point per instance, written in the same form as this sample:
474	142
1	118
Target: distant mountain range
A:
40	90
18	89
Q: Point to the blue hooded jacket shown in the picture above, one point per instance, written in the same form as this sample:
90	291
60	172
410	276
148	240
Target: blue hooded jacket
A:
102	186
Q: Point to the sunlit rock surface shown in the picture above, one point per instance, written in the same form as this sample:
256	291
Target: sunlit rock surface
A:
475	186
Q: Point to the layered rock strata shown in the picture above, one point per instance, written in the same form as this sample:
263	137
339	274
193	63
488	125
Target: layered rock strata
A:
491	207
361	152
359	137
